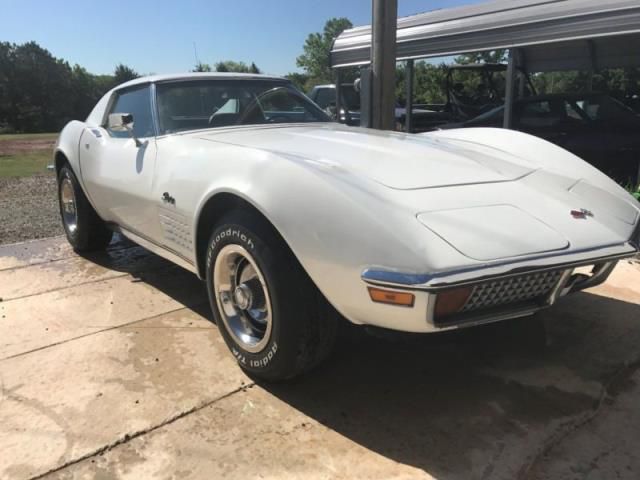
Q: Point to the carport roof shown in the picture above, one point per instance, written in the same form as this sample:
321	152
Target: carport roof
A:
507	24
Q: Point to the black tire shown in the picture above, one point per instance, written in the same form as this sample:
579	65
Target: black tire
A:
303	323
89	233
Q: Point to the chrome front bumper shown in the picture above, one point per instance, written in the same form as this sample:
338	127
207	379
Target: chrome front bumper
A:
432	282
507	289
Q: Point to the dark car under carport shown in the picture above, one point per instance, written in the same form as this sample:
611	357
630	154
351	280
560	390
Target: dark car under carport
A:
594	126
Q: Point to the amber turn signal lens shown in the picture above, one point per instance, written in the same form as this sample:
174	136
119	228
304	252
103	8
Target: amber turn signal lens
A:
403	299
451	301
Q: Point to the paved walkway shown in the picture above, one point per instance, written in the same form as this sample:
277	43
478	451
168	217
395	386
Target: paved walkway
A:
110	368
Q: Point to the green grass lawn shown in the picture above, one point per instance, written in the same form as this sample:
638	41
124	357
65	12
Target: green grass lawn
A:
24	154
25	164
27	136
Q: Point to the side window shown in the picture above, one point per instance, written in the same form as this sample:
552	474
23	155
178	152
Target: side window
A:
538	115
572	111
138	103
325	97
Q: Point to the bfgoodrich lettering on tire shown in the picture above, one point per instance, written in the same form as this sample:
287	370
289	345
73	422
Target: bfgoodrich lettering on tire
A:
271	315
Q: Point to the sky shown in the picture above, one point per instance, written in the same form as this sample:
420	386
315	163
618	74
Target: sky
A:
159	36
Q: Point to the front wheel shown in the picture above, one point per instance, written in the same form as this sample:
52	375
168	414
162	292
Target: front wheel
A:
271	315
85	230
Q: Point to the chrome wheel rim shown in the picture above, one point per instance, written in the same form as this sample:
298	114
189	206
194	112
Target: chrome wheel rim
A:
68	205
243	298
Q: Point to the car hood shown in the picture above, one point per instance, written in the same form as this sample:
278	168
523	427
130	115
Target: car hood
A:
396	160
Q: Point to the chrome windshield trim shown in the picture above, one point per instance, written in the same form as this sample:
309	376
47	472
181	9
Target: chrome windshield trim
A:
475	273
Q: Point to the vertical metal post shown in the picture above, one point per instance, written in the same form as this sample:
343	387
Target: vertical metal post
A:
593	64
522	74
365	97
408	74
338	94
510	94
383	62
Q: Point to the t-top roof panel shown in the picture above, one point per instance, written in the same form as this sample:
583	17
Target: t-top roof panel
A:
493	25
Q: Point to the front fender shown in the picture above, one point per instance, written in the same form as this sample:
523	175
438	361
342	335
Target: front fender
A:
335	224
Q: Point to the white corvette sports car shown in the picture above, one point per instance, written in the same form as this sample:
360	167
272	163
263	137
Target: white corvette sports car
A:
291	219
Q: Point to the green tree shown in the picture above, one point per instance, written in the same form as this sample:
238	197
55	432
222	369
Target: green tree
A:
202	67
253	68
317	47
429	83
39	92
239	67
87	91
299	80
123	73
492	56
39	89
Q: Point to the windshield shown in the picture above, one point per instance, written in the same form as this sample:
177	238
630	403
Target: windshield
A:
198	104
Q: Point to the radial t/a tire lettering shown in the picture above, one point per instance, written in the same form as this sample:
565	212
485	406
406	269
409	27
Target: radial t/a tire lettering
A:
272	317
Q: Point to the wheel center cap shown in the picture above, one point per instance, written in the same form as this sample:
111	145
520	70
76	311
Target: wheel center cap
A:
243	297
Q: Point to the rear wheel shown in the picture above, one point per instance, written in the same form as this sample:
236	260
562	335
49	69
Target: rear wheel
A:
85	230
271	315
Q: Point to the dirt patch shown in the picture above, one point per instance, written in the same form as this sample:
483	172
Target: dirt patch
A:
28	208
26	145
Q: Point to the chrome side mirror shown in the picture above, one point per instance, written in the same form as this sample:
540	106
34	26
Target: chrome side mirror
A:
122	122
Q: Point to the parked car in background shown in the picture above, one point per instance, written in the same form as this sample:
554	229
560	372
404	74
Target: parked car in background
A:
325	97
476	88
289	217
594	126
470	90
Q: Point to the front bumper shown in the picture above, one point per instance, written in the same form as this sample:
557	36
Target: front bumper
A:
503	290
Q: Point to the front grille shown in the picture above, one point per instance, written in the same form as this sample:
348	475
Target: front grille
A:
512	290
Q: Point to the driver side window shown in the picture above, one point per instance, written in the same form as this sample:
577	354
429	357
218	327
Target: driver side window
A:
137	102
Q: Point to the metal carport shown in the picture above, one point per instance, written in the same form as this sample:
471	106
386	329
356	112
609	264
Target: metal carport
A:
541	35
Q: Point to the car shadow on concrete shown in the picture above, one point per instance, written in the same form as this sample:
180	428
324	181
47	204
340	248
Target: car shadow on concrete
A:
476	402
124	256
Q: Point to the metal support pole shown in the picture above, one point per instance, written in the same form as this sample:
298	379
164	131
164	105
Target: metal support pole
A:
383	62
522	74
365	97
510	94
338	94
593	64
409	100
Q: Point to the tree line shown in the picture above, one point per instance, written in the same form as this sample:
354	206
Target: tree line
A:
41	93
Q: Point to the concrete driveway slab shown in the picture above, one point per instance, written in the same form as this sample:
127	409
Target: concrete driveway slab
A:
34	252
34	322
445	408
131	380
70	400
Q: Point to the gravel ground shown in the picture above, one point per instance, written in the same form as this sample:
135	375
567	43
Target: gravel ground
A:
28	208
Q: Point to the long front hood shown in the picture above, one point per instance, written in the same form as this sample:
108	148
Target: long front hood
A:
492	218
398	161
